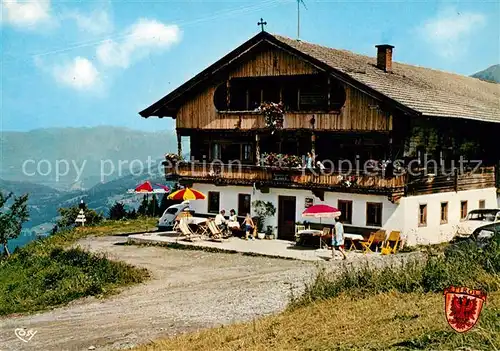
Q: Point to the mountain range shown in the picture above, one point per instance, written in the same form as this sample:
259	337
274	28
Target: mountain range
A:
89	149
83	157
490	74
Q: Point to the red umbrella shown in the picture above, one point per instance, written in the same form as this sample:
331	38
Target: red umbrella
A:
321	211
148	188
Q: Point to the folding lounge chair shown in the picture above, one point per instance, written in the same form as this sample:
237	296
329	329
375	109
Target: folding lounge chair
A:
214	230
377	237
391	244
184	229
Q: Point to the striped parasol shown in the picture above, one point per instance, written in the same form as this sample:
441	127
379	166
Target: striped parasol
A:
321	211
187	194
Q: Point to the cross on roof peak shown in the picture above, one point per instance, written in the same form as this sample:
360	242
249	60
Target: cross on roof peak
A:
262	24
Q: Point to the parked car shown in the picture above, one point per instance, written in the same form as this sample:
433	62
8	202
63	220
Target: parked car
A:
166	221
476	219
486	233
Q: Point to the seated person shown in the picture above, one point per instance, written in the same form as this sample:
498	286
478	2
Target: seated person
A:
221	221
232	216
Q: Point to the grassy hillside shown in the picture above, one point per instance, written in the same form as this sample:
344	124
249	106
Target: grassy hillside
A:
490	74
46	273
395	308
85	147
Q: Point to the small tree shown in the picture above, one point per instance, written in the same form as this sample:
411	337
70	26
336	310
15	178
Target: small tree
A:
132	214
153	208
263	210
117	212
143	207
12	218
68	216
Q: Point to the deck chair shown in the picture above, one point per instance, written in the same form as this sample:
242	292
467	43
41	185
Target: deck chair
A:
184	229
181	215
214	230
391	244
374	238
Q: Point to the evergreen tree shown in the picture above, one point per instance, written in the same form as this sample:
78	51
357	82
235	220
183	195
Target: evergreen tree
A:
117	211
153	208
143	208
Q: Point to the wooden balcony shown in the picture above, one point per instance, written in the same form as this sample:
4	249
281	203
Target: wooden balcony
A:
261	177
313	179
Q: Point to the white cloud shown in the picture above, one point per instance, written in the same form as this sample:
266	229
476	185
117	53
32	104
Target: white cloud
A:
97	22
79	74
140	39
450	31
25	13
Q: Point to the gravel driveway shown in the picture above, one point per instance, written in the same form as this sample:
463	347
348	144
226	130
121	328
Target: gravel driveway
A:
189	290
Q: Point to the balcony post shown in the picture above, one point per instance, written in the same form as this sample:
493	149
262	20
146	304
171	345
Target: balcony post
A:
179	145
313	145
257	149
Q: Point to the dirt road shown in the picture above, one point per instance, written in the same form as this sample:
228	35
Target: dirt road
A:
189	290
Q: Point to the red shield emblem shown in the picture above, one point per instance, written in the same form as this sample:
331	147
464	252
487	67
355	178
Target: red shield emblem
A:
463	307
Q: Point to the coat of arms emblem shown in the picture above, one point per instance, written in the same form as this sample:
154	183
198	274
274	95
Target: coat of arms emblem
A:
463	307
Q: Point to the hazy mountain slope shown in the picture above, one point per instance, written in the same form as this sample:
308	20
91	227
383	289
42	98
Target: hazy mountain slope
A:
491	74
89	149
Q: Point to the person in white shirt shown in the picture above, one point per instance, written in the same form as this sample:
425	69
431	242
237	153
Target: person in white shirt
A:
232	216
220	220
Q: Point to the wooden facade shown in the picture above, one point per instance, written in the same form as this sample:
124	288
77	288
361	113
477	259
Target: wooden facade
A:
360	112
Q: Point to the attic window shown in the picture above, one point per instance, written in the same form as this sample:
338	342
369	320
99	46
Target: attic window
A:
220	97
302	93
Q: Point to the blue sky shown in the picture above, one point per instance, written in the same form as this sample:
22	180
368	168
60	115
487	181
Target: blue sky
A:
87	63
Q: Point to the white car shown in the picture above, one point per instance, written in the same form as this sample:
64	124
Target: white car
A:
166	221
476	219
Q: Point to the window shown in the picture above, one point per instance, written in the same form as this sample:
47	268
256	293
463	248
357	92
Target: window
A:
243	204
482	204
213	202
216	151
345	208
374	214
422	215
444	212
246	152
463	209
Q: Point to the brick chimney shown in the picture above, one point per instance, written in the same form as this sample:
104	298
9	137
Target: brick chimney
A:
384	57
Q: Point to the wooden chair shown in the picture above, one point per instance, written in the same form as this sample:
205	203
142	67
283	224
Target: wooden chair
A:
391	244
380	236
374	238
181	215
214	230
184	229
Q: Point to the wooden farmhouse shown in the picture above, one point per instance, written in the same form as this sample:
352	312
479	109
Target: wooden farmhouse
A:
400	147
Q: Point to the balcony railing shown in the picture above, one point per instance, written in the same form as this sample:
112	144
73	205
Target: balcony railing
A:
231	174
394	186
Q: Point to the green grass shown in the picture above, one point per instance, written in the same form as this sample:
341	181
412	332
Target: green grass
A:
395	308
460	265
48	273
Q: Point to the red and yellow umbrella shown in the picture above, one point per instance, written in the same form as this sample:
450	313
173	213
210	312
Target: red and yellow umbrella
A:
187	194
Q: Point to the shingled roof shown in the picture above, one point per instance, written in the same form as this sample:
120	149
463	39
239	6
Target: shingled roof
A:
428	91
419	90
